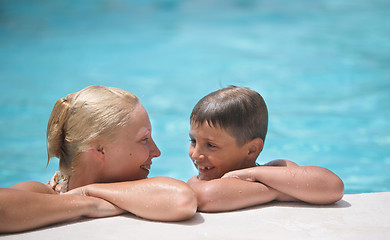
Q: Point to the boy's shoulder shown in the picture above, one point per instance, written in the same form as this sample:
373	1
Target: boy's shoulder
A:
281	163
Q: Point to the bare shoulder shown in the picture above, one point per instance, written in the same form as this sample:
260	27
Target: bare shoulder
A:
199	186
34	186
281	163
193	180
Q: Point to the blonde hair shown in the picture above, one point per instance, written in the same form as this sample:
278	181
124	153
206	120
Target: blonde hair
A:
81	117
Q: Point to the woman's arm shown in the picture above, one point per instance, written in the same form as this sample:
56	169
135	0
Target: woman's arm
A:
230	194
22	210
311	184
158	198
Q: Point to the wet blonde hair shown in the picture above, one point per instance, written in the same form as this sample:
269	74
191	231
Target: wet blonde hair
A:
92	113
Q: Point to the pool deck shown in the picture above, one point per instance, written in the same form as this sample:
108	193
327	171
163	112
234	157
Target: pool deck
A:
356	216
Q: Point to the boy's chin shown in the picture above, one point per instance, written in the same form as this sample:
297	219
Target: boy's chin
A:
206	177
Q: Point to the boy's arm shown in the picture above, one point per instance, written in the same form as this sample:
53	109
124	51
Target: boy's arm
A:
157	198
230	194
22	210
311	184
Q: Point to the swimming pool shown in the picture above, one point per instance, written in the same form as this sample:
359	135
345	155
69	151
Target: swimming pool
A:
323	68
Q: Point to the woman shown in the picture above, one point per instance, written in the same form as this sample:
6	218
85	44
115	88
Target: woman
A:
102	136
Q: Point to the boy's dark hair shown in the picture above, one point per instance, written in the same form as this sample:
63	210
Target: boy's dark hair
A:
239	110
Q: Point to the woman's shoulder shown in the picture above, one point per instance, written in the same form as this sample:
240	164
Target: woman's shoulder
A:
34	186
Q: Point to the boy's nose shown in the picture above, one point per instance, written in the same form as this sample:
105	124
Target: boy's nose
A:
196	154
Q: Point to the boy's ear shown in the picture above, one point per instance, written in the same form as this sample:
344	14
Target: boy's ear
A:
255	147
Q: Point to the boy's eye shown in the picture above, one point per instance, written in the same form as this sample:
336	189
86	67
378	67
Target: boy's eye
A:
193	142
211	145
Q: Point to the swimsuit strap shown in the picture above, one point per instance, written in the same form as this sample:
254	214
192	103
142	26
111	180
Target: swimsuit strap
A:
56	179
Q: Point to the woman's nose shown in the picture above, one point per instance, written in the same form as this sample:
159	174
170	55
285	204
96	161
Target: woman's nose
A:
154	152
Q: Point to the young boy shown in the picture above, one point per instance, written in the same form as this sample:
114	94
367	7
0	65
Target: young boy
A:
228	129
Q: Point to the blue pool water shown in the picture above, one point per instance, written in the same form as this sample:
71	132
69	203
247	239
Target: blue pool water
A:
322	66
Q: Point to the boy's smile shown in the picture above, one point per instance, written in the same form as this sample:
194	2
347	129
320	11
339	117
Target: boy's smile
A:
215	152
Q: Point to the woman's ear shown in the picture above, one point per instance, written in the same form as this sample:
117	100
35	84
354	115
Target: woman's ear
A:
255	146
97	151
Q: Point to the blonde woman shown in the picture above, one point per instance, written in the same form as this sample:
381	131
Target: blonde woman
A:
102	136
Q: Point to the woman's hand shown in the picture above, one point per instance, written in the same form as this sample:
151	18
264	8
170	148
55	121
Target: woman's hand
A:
82	191
98	207
102	208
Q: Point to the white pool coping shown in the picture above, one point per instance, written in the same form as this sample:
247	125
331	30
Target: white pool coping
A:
356	216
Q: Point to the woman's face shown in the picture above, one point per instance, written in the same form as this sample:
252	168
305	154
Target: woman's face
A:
130	155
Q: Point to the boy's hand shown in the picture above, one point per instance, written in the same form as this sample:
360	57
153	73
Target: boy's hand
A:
246	174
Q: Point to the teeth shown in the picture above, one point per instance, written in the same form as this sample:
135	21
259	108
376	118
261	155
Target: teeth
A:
204	168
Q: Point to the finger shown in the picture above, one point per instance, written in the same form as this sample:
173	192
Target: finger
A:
230	175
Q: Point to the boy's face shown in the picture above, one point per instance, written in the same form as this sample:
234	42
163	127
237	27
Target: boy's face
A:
215	152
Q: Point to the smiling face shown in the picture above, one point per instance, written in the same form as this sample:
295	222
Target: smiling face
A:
215	152
129	156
